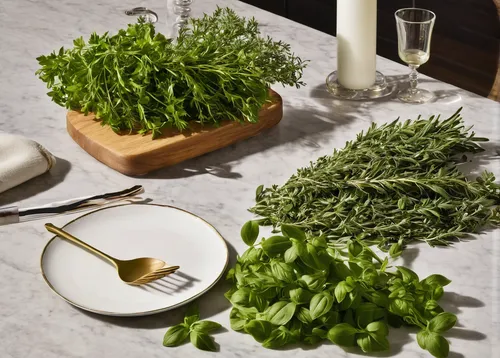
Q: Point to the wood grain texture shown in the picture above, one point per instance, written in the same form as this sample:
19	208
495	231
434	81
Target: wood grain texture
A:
495	90
135	154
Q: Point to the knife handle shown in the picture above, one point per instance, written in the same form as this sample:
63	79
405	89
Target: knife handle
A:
9	215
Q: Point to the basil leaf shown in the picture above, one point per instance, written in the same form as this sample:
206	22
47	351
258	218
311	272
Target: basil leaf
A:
382	343
354	298
291	254
241	297
407	274
343	334
320	304
341	290
438	293
431	305
300	296
341	270
202	341
304	315
312	340
377	297
311	258
421	337
237	319
349	317
251	256
355	268
379	327
296	327
321	333
282	271
368	344
384	264
319	242
192	314
246	298
399	307
437	345
436	281
258	192
368	312
260	330
176	335
314	282
292	231
205	326
250	232
442	322
276	245
330	319
396	249
281	312
354	248
278	338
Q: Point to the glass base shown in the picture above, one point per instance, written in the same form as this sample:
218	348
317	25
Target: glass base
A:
379	89
415	96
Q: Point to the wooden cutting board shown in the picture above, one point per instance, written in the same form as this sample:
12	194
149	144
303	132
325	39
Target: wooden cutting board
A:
135	154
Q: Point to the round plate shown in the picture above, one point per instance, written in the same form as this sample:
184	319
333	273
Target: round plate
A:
129	231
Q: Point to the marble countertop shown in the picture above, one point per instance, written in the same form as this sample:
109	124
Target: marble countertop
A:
220	186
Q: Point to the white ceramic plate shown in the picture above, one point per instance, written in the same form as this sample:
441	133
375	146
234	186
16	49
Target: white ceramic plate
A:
129	231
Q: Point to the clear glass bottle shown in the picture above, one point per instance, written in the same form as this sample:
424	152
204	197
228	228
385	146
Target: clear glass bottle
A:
178	15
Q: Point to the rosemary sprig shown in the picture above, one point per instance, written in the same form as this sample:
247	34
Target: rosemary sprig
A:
218	68
396	181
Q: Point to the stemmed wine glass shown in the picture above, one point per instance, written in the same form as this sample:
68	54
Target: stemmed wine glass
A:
414	44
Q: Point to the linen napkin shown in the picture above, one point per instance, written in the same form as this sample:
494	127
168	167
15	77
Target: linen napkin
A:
21	159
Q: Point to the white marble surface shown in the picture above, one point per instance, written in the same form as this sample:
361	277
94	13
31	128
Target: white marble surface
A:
34	323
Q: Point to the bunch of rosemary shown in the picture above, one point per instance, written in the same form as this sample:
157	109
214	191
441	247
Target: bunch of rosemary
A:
218	68
395	182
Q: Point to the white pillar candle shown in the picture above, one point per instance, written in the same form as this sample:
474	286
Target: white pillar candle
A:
357	43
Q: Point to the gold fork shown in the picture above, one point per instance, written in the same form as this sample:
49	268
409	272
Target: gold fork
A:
133	272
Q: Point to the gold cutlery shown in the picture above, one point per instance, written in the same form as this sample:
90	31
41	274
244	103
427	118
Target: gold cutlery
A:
133	272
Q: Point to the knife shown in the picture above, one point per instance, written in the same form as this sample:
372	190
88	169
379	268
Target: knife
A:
14	214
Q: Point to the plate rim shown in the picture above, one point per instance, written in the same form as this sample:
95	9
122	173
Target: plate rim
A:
145	313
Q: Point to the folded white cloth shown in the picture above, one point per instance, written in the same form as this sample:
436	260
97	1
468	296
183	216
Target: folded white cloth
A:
21	159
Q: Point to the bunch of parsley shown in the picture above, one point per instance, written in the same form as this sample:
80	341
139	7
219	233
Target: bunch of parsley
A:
219	68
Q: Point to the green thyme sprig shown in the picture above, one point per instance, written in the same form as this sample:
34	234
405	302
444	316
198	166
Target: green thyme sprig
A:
293	288
219	68
396	181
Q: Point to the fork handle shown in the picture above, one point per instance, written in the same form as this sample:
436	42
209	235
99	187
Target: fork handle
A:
60	232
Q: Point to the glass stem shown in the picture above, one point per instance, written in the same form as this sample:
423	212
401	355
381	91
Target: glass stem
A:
413	78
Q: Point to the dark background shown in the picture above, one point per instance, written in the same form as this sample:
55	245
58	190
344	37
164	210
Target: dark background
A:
465	43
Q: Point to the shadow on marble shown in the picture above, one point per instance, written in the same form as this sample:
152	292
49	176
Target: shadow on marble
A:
171	284
307	124
210	304
452	302
455	355
465	334
38	184
474	164
410	253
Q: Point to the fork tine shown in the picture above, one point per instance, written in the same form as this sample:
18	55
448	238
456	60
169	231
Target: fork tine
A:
155	275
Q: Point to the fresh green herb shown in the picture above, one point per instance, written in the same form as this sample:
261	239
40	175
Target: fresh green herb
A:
192	327
395	183
346	296
219	68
